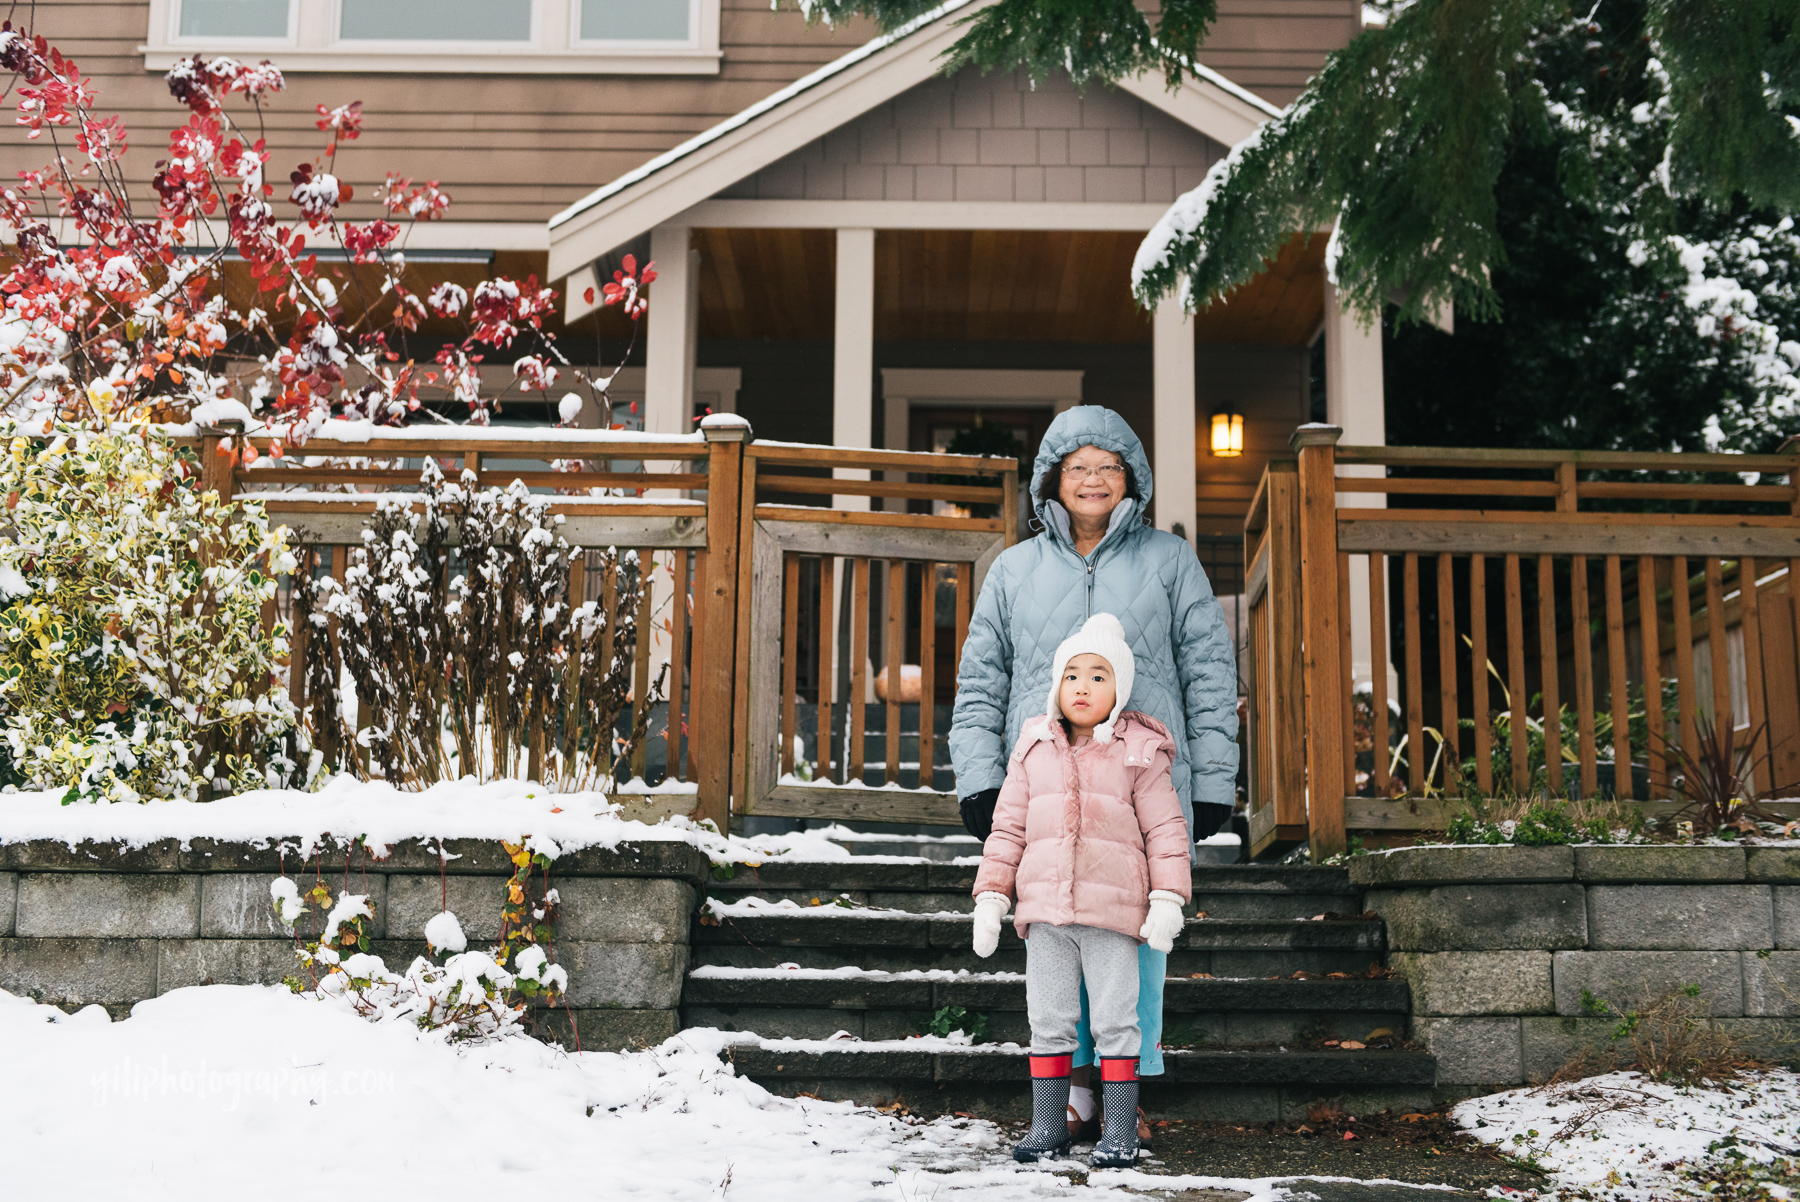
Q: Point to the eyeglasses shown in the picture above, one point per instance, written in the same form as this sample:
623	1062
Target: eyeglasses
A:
1106	471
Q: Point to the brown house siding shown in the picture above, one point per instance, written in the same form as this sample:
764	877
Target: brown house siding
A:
519	147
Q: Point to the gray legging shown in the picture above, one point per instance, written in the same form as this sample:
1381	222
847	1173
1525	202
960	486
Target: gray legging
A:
1058	961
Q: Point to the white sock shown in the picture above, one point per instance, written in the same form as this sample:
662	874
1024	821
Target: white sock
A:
1081	1101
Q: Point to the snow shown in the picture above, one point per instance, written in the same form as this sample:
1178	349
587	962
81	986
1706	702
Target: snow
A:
383	816
847	972
1626	1138
339	430
443	932
757	907
205	1092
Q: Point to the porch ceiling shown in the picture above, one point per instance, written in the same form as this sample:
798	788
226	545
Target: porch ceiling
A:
985	286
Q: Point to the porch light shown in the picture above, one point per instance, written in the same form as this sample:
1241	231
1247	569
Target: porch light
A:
1227	435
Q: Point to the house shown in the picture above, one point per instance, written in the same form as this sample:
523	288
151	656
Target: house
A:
874	252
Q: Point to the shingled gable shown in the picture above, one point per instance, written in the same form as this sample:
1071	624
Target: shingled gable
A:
811	107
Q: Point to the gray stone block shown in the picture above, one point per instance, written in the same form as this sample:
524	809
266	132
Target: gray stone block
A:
107	906
1787	915
9	898
1458	983
77	972
1775	1039
185	962
605	1030
1772	984
1473	1051
1680	917
1631	979
1447	865
236	905
1550	1043
414	900
623	909
50	855
1482	917
1650	864
632	976
1780	864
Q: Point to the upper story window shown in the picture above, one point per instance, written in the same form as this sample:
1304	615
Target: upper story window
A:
638	37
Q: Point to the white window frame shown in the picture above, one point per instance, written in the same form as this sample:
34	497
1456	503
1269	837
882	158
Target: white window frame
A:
697	10
554	46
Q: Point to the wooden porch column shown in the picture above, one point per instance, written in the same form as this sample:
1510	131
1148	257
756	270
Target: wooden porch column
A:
1321	670
1176	449
853	355
715	708
1355	402
669	347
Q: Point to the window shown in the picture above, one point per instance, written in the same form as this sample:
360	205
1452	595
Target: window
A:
591	37
434	20
234	18
636	21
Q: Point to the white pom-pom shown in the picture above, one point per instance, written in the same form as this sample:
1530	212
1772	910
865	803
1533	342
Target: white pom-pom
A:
1105	624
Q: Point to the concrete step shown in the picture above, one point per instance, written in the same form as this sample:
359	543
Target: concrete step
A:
921	886
1223	1067
820	1003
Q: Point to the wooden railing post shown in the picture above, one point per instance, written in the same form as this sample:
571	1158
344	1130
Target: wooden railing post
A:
218	459
713	711
1320	649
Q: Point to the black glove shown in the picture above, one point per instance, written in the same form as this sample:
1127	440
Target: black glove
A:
1209	820
978	813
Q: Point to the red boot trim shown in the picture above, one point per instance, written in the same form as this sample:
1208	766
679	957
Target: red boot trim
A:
1051	1066
1121	1068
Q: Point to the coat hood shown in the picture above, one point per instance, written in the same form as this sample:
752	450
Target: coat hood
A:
1089	426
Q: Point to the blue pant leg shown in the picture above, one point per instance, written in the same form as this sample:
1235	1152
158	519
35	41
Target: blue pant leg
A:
1153	967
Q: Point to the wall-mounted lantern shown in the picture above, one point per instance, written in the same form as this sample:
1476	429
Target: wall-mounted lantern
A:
1227	435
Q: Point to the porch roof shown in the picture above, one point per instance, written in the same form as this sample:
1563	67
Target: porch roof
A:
820	102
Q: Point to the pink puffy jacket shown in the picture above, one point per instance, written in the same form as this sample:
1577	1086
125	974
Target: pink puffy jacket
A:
1083	834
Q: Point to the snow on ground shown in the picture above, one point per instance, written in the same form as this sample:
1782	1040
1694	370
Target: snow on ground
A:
228	1091
345	808
1627	1138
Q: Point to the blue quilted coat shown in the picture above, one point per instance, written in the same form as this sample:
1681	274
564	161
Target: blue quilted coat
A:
1040	591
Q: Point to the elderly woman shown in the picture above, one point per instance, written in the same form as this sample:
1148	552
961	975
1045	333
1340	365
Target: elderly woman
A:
1091	487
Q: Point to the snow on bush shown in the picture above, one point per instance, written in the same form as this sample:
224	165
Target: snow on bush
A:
133	658
473	659
443	933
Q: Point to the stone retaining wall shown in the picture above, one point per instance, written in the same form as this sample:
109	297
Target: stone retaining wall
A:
97	923
1499	943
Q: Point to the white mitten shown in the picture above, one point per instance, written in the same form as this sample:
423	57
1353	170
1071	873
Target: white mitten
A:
990	909
1165	921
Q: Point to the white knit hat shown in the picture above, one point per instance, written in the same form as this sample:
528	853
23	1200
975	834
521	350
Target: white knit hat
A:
1103	636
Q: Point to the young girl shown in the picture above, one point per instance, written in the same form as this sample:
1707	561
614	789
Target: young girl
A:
1088	832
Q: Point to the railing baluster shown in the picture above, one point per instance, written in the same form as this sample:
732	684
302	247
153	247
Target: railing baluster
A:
1650	635
1478	674
965	604
1516	723
1417	763
1447	698
640	675
1751	623
827	663
298	632
1581	632
1616	682
676	744
927	672
1347	678
1552	685
1262	727
1717	652
1685	681
896	646
790	655
696	666
1378	659
859	666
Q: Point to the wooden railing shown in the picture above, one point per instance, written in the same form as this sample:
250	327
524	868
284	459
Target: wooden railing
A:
739	621
1533	638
